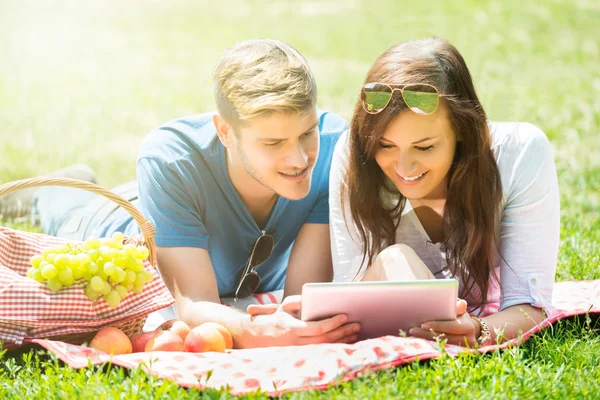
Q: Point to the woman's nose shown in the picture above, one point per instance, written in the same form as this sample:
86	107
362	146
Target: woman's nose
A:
405	166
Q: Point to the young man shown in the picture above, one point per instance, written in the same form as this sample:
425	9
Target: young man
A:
239	198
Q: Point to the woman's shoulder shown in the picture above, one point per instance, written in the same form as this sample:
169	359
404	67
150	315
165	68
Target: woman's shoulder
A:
518	144
515	136
520	150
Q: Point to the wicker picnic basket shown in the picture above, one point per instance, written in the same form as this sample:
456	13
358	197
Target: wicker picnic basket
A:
128	325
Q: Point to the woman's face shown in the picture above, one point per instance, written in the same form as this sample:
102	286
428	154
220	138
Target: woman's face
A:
416	152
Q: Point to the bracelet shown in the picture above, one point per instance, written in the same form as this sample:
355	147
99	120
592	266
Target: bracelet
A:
484	333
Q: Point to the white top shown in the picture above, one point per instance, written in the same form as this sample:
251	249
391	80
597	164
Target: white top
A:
529	224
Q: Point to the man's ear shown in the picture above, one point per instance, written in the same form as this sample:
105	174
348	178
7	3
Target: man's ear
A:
224	130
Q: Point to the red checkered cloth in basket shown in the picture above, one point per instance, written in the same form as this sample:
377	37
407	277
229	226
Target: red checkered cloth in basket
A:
29	310
284	369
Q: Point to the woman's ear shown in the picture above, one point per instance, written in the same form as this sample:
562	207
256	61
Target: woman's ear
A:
224	131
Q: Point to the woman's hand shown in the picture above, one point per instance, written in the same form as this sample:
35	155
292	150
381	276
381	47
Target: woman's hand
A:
463	331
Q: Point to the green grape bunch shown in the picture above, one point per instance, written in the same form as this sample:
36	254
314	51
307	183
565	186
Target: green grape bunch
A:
111	269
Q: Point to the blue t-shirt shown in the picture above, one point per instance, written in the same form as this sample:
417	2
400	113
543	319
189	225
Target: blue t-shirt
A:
185	191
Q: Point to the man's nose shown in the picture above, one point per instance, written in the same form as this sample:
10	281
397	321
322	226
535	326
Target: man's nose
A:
298	157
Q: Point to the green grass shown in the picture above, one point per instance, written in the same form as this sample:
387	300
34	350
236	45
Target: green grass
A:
83	82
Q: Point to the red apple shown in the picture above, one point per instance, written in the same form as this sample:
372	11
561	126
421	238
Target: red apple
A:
165	341
166	325
138	342
176	326
204	338
224	332
112	341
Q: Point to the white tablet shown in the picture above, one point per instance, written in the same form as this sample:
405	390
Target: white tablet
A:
382	308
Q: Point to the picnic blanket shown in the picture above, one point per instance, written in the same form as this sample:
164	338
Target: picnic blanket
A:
277	370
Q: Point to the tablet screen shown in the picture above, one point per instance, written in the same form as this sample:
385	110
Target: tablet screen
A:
382	308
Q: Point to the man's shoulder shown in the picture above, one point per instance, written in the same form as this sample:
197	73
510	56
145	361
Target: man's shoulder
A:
331	127
179	137
331	124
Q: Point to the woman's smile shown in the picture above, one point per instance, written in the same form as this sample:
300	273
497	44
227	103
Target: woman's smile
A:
412	180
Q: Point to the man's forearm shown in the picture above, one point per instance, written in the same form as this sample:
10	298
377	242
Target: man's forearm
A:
199	312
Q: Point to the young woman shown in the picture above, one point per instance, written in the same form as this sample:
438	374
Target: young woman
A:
423	186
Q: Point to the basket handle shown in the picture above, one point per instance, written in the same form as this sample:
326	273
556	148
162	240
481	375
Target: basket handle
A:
146	226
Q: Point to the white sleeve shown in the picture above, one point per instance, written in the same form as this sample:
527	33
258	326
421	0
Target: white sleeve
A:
530	226
346	250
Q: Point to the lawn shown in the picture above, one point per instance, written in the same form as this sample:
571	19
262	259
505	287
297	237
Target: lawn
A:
84	81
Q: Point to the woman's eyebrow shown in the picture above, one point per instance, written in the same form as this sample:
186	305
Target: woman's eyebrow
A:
417	142
423	140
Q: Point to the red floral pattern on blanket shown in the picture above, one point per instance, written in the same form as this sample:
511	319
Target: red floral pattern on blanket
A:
283	369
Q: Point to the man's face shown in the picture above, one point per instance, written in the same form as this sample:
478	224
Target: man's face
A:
416	153
280	151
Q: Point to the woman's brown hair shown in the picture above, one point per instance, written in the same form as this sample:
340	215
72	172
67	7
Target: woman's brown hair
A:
474	189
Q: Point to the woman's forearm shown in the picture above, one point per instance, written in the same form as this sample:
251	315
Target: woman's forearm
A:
512	321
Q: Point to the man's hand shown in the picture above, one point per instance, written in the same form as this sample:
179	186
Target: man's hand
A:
197	301
463	331
291	304
278	327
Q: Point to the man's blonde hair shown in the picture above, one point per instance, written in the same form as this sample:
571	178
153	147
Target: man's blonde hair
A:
258	77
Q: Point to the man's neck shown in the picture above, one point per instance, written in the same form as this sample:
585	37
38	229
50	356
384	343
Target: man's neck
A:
258	199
